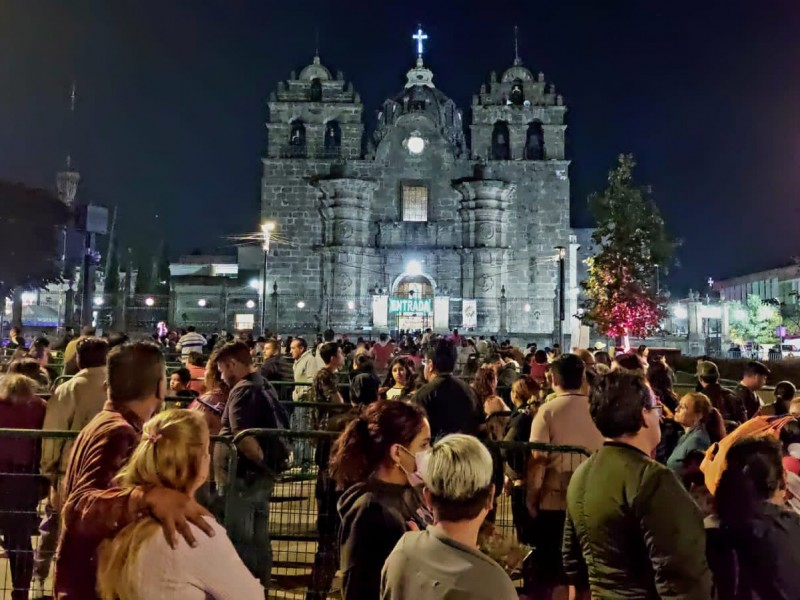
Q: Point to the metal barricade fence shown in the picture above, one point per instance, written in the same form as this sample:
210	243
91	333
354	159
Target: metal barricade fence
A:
300	516
304	523
30	504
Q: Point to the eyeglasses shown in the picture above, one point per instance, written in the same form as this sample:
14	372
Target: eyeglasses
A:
657	407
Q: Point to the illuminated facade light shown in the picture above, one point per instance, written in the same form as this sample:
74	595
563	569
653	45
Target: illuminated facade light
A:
416	145
414	267
98	301
351	305
527	308
149	301
301	304
202	303
251	304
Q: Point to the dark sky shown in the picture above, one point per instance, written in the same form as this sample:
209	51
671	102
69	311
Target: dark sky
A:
172	102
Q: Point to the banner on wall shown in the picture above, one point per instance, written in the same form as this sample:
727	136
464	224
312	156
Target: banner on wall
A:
469	314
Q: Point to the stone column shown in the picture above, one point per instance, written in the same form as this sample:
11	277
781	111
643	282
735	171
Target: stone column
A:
484	212
347	204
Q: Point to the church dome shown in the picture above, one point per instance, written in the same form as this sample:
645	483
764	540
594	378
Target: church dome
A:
420	99
517	72
316	70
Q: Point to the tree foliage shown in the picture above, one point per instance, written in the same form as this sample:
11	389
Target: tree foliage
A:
631	243
31	223
162	271
756	321
111	285
145	277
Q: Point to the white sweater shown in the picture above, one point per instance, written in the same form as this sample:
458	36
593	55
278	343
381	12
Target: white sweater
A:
211	570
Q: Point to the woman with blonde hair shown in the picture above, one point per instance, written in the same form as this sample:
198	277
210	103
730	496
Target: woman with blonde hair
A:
702	425
138	562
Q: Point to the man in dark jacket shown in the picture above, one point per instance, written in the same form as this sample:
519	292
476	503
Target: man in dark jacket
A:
630	523
754	378
252	403
277	367
724	400
451	405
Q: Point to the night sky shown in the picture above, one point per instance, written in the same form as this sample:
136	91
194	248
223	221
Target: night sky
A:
172	103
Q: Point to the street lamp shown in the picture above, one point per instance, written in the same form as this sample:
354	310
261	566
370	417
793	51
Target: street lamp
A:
562	252
266	231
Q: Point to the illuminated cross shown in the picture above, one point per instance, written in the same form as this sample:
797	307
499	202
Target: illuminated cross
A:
420	37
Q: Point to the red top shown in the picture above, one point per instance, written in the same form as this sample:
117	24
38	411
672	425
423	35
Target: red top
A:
94	510
383	355
791	464
21	455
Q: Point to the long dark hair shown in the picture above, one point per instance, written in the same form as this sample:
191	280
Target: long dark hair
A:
753	474
364	445
660	381
408	367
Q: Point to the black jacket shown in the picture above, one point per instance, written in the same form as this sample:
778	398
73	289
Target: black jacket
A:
759	559
374	518
452	406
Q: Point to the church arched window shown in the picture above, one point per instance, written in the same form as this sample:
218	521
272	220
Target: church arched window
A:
517	95
534	141
501	147
333	137
315	94
297	140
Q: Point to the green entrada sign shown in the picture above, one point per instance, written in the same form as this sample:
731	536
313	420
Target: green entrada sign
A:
410	306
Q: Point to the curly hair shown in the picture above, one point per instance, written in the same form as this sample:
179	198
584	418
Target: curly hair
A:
485	383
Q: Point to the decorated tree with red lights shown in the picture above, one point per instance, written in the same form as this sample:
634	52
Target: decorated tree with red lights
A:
630	243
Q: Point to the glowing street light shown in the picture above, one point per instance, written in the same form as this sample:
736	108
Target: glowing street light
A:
267	227
149	301
98	301
250	304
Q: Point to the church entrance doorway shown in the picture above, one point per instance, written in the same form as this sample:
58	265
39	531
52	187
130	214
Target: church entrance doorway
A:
411	304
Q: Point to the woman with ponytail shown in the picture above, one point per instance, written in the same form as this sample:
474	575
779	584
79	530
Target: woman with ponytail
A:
378	460
757	532
139	563
702	425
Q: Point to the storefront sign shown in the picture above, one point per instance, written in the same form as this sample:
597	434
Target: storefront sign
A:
419	306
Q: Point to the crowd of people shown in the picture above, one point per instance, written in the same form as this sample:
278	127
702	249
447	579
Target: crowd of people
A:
651	495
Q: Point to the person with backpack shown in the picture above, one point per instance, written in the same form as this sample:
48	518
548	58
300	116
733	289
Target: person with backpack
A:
252	403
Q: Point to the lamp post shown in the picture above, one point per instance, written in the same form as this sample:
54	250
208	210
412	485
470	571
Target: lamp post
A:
561	293
266	231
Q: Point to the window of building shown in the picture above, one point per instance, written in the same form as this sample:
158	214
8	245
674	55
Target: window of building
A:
415	203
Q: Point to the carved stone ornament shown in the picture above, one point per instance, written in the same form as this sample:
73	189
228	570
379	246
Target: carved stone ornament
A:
343	282
486	231
486	283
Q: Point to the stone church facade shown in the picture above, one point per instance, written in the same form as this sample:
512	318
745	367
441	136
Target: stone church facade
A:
419	225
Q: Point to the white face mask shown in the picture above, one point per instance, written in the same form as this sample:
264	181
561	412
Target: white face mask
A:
420	466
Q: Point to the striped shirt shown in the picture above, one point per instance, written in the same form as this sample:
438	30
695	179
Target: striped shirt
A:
191	342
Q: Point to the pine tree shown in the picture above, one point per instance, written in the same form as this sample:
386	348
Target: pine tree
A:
144	276
111	285
162	271
621	299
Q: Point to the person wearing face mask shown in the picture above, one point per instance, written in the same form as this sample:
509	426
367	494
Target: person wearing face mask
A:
444	561
377	461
